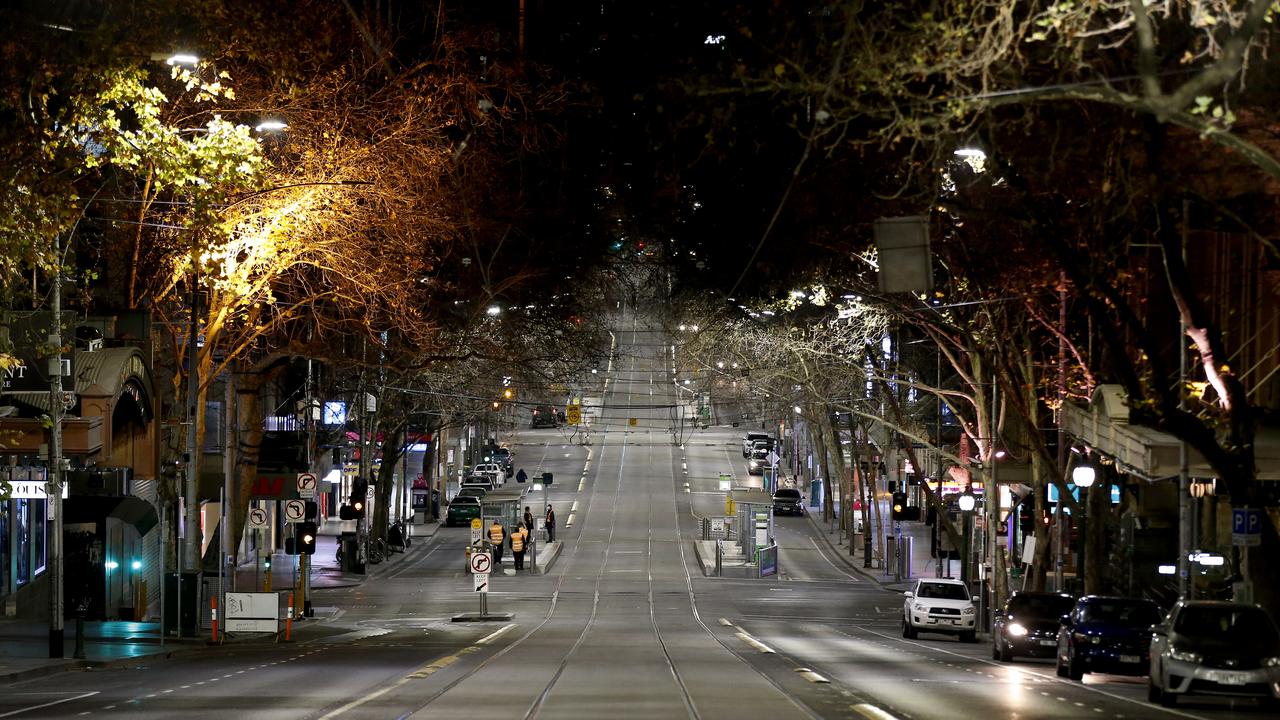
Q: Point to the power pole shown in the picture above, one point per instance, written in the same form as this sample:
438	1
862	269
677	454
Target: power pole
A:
191	545
55	479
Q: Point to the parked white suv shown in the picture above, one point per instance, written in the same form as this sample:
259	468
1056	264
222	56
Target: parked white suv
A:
492	471
939	605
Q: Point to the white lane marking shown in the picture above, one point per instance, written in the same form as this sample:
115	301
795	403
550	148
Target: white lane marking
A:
871	712
494	634
19	711
569	522
574	507
627	552
744	637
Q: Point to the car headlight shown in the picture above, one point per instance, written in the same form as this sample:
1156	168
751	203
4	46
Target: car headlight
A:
967	611
1097	639
1017	630
1184	656
921	607
1271	662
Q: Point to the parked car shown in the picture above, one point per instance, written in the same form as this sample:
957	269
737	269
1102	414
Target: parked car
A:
1028	624
788	501
462	509
750	438
475	491
483	481
759	461
1212	647
939	605
492	471
1106	634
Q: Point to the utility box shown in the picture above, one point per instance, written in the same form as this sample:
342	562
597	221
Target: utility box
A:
180	604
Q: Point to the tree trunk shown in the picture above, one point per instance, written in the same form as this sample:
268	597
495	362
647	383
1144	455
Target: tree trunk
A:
249	420
391	450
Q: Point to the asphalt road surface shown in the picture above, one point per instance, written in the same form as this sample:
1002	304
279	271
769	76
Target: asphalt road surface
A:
624	625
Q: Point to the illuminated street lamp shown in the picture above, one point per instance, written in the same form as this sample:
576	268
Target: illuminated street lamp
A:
1083	475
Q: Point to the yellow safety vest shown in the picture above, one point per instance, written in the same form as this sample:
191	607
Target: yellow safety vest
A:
517	542
495	534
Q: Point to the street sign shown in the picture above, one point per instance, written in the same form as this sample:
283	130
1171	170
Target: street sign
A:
773	458
306	486
717	525
482	582
573	414
295	511
481	562
1246	526
476	526
257	518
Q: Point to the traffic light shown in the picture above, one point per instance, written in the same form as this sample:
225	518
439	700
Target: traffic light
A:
508	393
899	506
359	494
290	547
304	538
312	511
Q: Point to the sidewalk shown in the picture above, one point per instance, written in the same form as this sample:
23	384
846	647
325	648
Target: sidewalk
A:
24	644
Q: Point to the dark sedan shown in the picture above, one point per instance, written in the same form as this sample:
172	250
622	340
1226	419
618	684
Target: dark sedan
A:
1028	624
788	501
1106	634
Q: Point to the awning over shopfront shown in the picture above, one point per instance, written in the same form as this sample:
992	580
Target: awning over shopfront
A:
1147	453
137	512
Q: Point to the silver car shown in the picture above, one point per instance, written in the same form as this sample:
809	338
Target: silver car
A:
1209	647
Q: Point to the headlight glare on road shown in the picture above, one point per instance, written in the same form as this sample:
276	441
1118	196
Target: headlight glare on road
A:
1017	630
1184	655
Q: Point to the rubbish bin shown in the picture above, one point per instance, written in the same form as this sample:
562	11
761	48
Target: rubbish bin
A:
184	599
351	553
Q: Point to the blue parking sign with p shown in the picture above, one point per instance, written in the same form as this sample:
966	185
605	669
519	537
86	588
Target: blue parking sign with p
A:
1246	526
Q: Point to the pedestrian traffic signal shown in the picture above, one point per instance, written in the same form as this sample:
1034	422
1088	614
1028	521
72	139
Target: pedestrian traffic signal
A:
304	537
311	511
290	547
899	506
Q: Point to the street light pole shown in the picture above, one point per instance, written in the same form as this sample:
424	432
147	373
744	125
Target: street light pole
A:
55	479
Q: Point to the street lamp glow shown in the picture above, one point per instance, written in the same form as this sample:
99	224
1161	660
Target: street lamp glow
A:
176	58
798	410
1083	476
720	364
968	152
967	501
682	327
271	126
694	328
493	311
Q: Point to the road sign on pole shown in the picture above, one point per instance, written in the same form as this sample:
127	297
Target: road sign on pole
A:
476	526
257	518
573	414
306	485
481	562
295	511
482	582
1246	526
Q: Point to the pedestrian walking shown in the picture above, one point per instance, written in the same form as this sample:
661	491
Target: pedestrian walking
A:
551	524
517	547
521	477
497	538
528	516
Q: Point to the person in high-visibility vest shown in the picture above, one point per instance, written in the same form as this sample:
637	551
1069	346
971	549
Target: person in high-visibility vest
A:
517	546
497	537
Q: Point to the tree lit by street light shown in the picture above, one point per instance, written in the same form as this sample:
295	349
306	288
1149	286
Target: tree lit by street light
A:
493	311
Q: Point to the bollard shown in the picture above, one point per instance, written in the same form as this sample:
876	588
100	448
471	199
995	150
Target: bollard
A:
79	653
214	603
288	623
